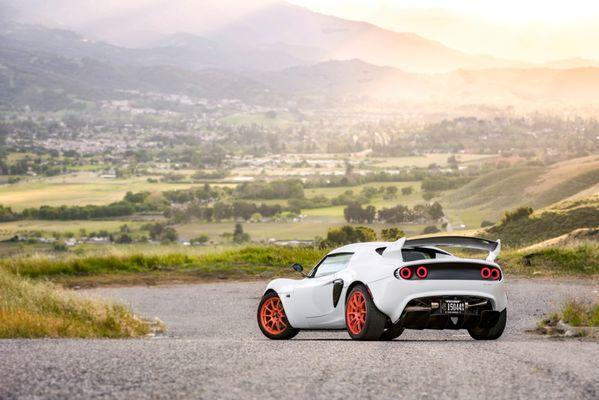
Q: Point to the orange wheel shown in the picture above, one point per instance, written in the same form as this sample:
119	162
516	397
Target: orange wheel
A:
273	316
364	321
355	314
272	319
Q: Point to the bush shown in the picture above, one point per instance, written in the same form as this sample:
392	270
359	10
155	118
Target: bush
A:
239	236
200	239
430	229
59	246
348	234
392	234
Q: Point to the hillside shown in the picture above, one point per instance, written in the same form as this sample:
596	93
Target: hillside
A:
51	82
531	186
522	228
284	32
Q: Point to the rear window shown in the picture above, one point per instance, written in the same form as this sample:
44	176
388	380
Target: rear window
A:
418	253
415	255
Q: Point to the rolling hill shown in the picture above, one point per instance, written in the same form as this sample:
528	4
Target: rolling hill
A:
578	220
530	186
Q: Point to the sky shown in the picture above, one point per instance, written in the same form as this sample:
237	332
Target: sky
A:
530	30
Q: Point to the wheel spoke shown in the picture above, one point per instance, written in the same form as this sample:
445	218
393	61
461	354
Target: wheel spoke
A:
272	316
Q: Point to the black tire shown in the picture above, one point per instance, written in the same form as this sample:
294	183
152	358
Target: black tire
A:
491	333
393	332
287	333
374	321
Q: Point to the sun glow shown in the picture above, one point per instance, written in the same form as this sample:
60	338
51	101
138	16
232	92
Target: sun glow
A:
532	30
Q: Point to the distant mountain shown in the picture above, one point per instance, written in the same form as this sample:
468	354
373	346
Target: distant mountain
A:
46	81
57	63
273	35
343	39
181	50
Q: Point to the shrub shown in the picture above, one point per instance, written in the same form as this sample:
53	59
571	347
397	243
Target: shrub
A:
430	229
239	236
200	239
392	234
348	234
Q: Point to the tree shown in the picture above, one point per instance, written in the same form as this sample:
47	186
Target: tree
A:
169	235
355	213
435	211
406	191
239	236
392	234
200	239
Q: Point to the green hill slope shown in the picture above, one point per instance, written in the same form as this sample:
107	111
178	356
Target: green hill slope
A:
530	186
524	227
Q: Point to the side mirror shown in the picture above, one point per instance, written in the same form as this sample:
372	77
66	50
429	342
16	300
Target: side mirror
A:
298	268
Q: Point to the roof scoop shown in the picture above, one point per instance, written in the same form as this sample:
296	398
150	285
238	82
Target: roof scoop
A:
394	249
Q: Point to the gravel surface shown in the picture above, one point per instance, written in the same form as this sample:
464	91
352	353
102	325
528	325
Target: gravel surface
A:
214	350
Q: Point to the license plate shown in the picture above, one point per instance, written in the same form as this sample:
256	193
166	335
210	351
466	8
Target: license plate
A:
453	307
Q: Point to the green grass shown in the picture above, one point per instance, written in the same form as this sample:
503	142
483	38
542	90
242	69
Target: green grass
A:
497	190
426	159
570	187
577	313
244	262
532	186
577	260
9	229
37	309
76	189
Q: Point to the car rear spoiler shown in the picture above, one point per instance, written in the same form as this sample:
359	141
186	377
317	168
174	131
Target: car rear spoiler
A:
493	247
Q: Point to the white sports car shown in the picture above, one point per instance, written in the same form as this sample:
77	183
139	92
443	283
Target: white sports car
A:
376	290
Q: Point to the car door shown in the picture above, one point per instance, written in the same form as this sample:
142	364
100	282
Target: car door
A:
314	295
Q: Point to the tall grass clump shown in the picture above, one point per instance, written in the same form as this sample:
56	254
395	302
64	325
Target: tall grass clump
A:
36	309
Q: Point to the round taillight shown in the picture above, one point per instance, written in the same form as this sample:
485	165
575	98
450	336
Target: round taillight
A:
421	272
485	272
495	274
405	273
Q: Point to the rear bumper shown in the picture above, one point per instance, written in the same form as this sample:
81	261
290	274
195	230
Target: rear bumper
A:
392	295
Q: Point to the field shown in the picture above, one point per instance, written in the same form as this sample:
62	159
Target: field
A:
76	189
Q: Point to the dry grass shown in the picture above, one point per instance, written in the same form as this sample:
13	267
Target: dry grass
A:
37	309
